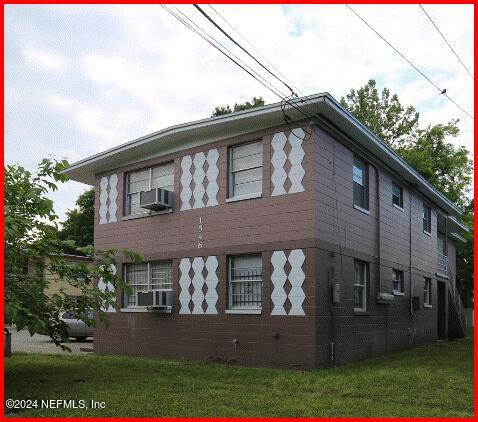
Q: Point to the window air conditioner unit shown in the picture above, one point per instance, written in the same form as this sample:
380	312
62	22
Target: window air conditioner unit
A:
385	298
156	199
156	300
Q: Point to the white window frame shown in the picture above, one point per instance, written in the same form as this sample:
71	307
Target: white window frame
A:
427	211
400	279
128	194
363	286
232	196
427	292
230	281
149	283
400	197
363	182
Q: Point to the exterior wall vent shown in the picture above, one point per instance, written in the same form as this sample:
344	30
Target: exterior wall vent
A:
156	199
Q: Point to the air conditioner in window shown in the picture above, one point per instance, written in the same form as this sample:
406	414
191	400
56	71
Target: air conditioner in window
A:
156	199
156	300
385	298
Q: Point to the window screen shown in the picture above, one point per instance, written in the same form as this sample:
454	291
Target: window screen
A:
143	180
397	195
360	183
245	169
360	285
398	281
427	219
245	282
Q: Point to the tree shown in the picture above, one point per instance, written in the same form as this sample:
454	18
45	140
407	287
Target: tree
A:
428	151
256	102
464	255
30	235
383	114
79	223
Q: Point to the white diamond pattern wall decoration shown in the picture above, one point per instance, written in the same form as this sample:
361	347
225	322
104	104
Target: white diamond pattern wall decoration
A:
279	157
108	199
103	209
193	172
278	279
184	283
107	287
186	178
211	175
295	156
296	278
113	196
198	283
211	283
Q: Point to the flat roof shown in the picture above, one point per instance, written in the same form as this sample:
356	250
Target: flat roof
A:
200	132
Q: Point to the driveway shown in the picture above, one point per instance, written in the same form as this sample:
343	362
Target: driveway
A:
23	342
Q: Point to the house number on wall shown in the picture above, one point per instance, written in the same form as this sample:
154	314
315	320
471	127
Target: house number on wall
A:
200	229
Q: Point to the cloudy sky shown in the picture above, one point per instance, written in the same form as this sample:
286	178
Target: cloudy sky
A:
81	79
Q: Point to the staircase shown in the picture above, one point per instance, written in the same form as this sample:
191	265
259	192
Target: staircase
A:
456	315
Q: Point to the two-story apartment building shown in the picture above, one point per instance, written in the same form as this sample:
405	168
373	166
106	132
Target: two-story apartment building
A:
301	244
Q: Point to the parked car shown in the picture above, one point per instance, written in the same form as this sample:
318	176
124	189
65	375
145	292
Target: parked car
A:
76	327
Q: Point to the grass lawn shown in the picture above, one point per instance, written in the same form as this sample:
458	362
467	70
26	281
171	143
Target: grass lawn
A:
435	380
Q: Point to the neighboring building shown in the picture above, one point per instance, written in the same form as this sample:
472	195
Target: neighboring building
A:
55	282
295	245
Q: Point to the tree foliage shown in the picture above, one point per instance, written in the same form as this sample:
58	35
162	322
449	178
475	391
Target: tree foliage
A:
221	110
79	223
30	236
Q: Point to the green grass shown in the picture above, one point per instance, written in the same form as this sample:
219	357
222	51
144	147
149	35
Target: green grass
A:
434	380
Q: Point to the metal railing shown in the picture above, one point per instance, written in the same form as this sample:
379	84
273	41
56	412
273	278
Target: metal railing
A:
442	263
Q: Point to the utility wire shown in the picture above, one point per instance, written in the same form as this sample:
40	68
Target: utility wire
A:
261	80
255	49
241	47
446	41
250	72
441	91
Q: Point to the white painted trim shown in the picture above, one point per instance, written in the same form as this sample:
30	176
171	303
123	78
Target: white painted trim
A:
145	214
426	305
243	311
398	293
361	209
134	310
245	197
427	233
398	207
442	275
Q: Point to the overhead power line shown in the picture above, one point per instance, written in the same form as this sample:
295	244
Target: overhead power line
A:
242	48
441	91
217	45
446	41
255	49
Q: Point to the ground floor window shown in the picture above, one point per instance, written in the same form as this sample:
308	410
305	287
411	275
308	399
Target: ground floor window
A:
427	292
361	275
245	282
146	277
398	281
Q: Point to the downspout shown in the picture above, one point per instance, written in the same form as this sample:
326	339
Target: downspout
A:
377	194
412	312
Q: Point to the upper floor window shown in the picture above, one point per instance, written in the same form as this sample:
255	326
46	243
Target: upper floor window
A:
361	275
427	219
145	277
360	180
245	282
397	195
155	177
245	170
427	292
398	286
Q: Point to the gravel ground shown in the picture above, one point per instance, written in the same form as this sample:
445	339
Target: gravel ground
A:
23	342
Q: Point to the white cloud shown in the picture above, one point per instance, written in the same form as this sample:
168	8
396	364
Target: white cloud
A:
44	59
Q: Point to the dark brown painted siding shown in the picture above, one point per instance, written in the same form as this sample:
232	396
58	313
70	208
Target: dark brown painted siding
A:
324	224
